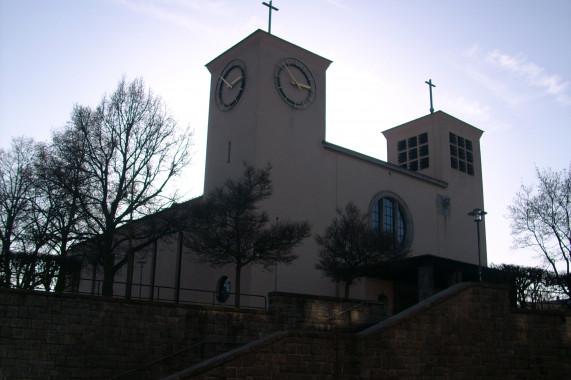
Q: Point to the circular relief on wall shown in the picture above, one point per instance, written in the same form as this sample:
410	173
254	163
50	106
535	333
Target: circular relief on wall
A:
223	289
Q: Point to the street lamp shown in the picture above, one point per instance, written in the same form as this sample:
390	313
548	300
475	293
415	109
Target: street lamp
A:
142	264
478	215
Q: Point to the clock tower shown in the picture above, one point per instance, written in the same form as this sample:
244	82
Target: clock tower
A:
267	105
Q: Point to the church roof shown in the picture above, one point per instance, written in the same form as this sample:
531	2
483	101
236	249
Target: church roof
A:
260	36
434	117
384	164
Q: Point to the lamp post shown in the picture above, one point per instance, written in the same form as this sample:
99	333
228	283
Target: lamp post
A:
141	264
478	215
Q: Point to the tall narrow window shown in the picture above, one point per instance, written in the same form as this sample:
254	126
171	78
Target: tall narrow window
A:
461	154
229	150
388	217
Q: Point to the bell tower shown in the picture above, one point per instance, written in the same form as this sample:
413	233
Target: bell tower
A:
438	145
267	104
443	147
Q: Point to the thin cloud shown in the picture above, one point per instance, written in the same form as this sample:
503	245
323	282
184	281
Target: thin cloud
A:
532	74
506	91
338	4
476	112
187	14
472	51
514	78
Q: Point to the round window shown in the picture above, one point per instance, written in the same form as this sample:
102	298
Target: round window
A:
391	217
223	289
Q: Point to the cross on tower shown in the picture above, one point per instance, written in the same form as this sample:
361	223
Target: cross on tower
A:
270	8
430	85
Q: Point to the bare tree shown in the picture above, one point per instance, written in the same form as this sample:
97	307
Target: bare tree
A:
132	151
29	216
528	284
227	228
541	219
350	245
63	185
16	188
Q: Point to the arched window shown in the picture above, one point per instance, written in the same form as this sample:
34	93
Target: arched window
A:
390	215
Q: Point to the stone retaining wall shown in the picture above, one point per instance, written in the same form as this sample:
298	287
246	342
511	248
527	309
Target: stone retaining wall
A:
465	332
46	335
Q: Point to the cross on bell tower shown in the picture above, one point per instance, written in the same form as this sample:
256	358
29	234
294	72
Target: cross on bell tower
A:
270	8
430	85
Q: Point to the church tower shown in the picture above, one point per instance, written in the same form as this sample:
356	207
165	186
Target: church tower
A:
267	105
441	146
437	145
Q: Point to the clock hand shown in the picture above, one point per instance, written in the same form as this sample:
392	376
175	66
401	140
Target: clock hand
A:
300	85
235	81
292	77
227	84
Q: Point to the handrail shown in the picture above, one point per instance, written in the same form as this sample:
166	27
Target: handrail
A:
239	343
173	355
93	287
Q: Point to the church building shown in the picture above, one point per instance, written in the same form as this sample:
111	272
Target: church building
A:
267	105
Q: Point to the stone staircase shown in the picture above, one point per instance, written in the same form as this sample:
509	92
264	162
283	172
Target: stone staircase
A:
467	331
204	352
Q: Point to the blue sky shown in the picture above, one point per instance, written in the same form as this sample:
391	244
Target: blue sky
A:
503	66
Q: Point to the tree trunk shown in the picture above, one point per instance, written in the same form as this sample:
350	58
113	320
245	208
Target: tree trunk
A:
61	282
63	272
107	289
7	271
6	256
153	271
237	292
347	286
130	264
178	266
108	263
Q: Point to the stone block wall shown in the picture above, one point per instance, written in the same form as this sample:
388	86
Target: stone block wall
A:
311	355
46	335
299	311
465	332
469	331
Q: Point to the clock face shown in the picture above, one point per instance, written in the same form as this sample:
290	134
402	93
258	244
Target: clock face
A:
295	83
230	85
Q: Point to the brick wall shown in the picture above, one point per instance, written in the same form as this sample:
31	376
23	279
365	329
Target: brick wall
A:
299	311
45	335
469	332
465	332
